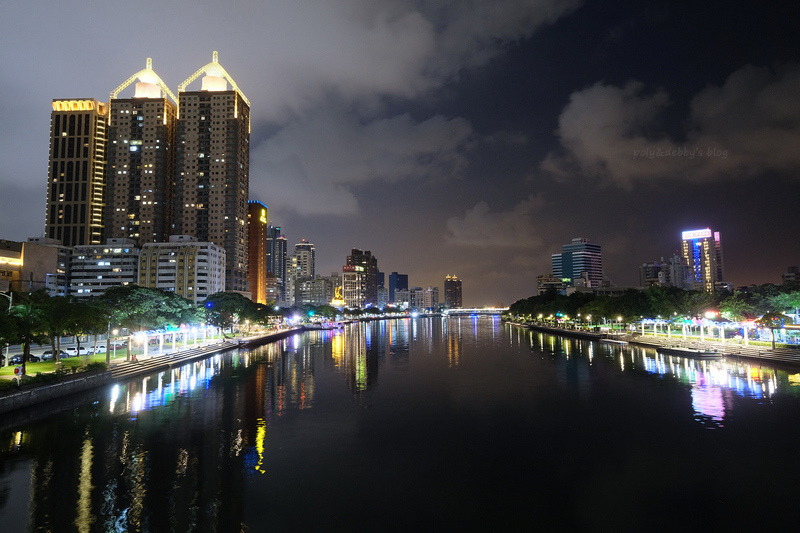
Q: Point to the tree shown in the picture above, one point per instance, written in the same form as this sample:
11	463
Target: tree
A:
787	300
225	309
28	324
141	308
56	314
772	321
736	308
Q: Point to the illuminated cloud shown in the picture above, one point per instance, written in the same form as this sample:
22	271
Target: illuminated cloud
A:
480	226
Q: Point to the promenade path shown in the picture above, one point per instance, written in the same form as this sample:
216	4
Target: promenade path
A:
729	348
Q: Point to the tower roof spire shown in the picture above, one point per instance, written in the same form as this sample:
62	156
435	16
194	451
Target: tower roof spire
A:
147	75
213	69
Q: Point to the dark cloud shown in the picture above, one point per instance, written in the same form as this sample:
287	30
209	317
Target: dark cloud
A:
748	126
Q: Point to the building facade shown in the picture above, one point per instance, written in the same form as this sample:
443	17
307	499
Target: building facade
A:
191	269
369	264
353	286
212	182
397	282
257	251
579	259
75	179
452	292
28	266
702	253
141	161
96	268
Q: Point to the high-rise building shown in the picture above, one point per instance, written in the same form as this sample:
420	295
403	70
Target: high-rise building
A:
276	258
75	180
702	252
430	299
299	268
791	276
369	262
257	251
671	272
452	292
191	269
579	259
353	286
212	179
141	160
397	282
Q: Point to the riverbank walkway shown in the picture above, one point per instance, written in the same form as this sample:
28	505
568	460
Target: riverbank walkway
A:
122	369
731	348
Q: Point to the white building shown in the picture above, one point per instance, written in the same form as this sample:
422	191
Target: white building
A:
96	268
430	299
191	269
353	286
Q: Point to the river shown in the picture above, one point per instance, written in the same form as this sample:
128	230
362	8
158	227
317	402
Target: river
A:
416	424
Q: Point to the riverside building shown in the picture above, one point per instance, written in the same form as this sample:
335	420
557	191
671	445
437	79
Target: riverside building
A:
191	269
141	160
702	252
212	182
579	259
257	251
75	177
452	292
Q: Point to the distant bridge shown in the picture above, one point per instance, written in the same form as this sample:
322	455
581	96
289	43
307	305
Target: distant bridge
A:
488	311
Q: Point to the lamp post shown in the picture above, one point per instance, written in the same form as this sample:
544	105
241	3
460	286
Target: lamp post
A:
10	297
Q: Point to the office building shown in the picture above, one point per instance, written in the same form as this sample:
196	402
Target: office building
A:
397	282
257	251
96	268
75	177
579	259
191	269
671	272
212	180
140	170
452	292
702	253
369	263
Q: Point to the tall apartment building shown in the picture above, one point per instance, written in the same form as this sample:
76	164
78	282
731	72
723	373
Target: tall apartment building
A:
141	160
369	263
276	258
702	252
257	251
191	269
213	167
430	299
579	259
452	292
299	268
671	272
75	177
353	286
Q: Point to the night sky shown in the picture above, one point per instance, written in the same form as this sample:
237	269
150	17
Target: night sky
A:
455	136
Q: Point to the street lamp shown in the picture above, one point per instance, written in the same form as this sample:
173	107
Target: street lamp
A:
10	297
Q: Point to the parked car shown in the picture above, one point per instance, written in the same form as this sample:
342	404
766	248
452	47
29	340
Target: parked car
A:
118	345
74	351
17	359
47	355
101	348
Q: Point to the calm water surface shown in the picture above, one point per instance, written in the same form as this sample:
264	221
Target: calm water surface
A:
422	424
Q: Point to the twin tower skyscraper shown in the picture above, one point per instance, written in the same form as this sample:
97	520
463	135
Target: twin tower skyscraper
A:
154	165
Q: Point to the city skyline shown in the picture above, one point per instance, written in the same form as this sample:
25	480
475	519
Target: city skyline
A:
450	137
